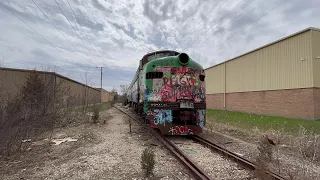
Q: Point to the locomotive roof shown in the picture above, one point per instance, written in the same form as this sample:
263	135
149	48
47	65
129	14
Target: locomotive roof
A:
159	51
151	53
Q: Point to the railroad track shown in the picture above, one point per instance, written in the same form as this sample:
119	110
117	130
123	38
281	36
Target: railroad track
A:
236	158
196	171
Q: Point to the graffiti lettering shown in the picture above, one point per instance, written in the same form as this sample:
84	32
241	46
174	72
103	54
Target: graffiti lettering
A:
177	83
161	116
201	117
180	130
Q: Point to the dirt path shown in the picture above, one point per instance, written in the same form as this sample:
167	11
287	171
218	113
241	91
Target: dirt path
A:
102	151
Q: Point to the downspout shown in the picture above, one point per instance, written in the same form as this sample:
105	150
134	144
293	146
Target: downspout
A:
224	93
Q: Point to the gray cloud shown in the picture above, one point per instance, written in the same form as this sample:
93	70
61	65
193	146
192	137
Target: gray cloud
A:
99	6
121	33
166	10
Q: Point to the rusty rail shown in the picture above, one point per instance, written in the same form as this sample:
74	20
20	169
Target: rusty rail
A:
187	162
196	171
238	159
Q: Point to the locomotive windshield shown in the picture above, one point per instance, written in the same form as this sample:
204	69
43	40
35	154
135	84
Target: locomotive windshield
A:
160	55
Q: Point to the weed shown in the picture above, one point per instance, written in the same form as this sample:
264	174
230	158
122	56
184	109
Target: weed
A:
147	161
96	113
40	105
264	156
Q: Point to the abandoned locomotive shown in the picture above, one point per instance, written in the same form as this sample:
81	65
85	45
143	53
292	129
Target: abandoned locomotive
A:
168	91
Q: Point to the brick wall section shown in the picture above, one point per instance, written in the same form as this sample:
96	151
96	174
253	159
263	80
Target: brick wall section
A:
295	103
317	103
216	101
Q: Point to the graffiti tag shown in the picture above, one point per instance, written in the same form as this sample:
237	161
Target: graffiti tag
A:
177	83
161	116
180	130
201	116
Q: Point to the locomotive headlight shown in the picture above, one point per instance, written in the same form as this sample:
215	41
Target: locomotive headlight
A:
183	58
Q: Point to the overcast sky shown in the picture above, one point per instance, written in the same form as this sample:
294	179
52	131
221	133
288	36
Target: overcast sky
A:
117	33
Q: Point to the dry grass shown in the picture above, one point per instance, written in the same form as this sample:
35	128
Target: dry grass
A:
303	146
39	107
307	144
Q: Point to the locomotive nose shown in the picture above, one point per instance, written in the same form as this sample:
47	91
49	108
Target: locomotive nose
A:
183	58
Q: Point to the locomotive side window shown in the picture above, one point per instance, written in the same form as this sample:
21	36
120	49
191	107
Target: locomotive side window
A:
154	75
201	77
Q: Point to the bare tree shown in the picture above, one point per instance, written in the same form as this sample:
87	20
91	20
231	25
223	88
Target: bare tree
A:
114	90
86	81
124	89
36	108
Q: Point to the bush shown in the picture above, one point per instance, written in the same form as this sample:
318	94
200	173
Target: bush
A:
264	156
147	161
96	113
35	109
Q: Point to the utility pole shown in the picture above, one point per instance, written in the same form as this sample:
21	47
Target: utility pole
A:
101	82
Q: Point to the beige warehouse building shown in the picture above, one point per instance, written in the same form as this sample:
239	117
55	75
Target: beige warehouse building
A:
280	79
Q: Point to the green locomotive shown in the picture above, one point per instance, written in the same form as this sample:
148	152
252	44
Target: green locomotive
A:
168	91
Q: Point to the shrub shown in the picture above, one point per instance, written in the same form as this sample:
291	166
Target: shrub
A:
35	109
96	113
147	161
264	156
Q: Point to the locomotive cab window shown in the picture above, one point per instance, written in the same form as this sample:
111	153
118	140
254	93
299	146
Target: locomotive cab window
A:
154	75
201	77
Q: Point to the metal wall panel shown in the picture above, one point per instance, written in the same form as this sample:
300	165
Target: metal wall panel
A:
286	64
215	79
316	57
11	81
78	93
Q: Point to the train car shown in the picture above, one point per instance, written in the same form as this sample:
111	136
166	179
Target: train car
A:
168	91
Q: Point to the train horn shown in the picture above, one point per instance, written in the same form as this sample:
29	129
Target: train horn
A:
183	58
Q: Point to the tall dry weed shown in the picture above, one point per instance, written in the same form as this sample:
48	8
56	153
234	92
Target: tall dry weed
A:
38	107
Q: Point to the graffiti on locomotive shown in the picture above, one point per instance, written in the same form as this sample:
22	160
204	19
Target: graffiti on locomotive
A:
177	83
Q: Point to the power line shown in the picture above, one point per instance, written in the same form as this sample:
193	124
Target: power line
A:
211	15
255	20
33	29
184	24
73	28
83	29
218	22
56	27
231	20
